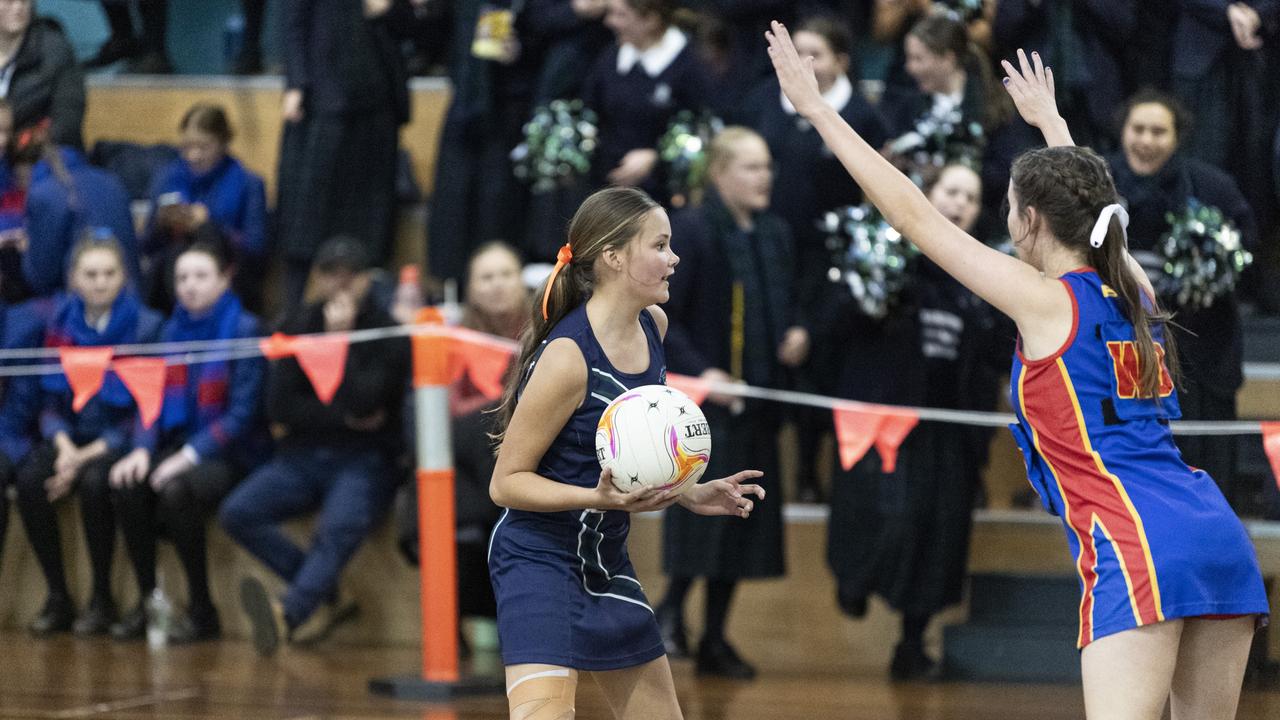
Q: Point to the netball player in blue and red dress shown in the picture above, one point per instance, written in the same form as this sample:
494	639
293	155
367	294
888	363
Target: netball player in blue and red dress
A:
568	599
1171	592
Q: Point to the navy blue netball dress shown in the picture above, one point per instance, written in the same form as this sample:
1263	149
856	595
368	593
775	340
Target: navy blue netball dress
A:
567	594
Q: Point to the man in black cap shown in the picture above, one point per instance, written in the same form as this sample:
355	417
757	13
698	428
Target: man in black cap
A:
336	458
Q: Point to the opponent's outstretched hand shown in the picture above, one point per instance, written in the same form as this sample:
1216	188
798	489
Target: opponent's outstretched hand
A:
726	496
795	74
1031	87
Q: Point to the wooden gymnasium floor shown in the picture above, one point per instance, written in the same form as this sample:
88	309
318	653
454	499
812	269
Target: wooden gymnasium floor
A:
68	678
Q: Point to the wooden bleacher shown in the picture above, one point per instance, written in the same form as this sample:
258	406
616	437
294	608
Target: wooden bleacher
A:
791	616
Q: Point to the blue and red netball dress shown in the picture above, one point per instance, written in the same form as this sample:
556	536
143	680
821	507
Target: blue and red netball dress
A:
1153	539
567	594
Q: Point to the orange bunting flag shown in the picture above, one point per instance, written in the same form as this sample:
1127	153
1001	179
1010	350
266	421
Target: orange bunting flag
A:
1271	443
144	376
486	366
894	428
324	360
277	346
885	428
84	368
695	388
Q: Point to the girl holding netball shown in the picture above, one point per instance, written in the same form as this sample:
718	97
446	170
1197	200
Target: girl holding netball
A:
568	600
1171	591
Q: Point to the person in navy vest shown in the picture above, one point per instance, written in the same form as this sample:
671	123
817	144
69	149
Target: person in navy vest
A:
1155	177
65	196
78	448
637	87
209	434
734	318
337	458
23	326
205	185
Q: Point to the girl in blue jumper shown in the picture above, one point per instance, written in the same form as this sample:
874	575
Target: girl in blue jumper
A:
209	434
205	185
79	448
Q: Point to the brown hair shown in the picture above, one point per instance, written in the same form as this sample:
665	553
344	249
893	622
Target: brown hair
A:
1150	96
1069	187
608	219
831	29
721	151
664	9
210	119
471	317
942	35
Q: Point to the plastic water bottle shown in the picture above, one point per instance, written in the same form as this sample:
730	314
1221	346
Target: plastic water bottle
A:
159	618
408	296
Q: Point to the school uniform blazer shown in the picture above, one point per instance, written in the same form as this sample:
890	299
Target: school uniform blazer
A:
1203	33
48	83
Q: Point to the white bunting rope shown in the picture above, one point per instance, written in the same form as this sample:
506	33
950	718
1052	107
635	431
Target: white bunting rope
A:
205	351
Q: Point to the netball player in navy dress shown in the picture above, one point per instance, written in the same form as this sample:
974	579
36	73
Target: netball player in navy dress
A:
568	598
1170	587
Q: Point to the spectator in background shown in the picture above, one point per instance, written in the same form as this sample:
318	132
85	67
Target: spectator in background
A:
733	318
206	185
334	458
636	88
346	95
1155	178
79	448
43	79
249	61
145	51
21	326
475	194
209	435
65	196
1083	42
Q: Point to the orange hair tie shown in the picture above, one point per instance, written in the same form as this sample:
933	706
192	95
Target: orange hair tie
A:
563	257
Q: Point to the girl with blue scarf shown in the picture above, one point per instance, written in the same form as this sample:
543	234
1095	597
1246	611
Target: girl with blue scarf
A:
79	448
210	433
205	186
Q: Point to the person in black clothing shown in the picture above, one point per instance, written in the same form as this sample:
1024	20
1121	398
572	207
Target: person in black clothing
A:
145	51
346	95
44	80
335	458
1155	178
809	182
733	318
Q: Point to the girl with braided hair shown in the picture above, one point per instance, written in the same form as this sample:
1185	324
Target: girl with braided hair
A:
1170	588
568	600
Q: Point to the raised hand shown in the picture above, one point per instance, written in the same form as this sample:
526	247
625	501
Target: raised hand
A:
1031	87
726	496
795	74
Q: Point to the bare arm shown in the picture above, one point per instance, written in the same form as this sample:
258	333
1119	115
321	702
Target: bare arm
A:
556	388
1012	286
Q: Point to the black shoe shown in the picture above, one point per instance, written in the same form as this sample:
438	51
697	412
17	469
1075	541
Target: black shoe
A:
196	626
96	620
911	663
266	616
718	658
56	617
674	639
133	626
114	50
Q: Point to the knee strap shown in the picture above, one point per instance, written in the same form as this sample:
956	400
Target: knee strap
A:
547	695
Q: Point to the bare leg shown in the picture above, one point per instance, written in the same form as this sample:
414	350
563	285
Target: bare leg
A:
541	692
1127	676
646	692
1211	664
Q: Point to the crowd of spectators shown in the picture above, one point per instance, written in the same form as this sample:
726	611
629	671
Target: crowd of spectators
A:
1181	97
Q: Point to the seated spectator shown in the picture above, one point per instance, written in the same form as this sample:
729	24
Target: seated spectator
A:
65	195
79	448
44	80
336	458
209	435
205	185
21	326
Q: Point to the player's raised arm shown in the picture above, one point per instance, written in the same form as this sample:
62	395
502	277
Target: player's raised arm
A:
1012	286
1031	87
